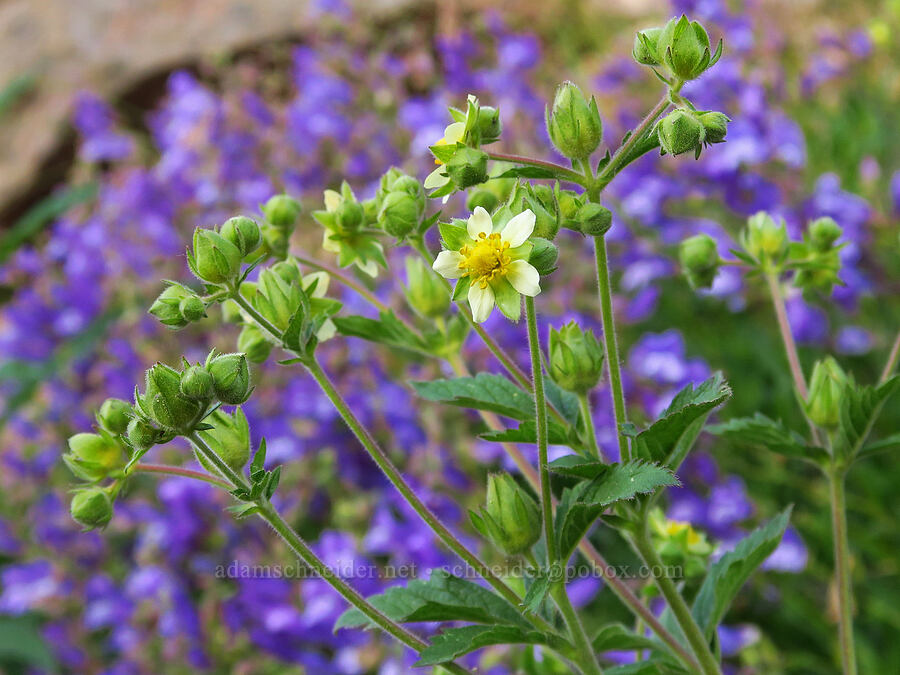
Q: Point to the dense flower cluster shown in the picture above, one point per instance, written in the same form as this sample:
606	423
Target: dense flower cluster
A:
72	332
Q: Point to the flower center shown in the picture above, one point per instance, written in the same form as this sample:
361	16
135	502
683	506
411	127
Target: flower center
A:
486	259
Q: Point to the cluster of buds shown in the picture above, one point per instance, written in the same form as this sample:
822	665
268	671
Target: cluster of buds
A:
281	213
177	306
826	391
400	204
576	358
817	258
510	518
346	221
699	258
679	544
687	130
574	123
765	242
681	46
461	162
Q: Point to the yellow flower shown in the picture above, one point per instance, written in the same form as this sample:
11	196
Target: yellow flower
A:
453	134
495	264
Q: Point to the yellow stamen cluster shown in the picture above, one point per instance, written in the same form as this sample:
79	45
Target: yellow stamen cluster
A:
486	259
674	528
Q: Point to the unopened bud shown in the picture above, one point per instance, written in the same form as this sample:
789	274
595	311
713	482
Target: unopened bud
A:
243	232
680	131
543	256
229	439
177	306
511	517
91	507
576	358
114	415
683	46
826	391
699	259
715	126
197	384
574	123
483	198
645	50
488	124
214	259
163	402
231	377
823	232
594	219
765	240
142	435
93	457
282	212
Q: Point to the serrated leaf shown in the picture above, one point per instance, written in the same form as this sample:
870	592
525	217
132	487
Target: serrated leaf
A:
272	480
485	391
259	459
860	407
526	432
669	439
532	172
443	597
241	511
576	466
387	329
728	574
617	636
582	504
884	445
455	642
761	432
537	591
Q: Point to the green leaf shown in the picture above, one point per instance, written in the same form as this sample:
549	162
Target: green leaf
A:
582	504
241	511
258	465
565	402
533	172
454	234
669	439
21	644
884	445
617	636
387	330
649	667
443	597
455	642
860	407
526	432
727	575
761	432
483	392
537	591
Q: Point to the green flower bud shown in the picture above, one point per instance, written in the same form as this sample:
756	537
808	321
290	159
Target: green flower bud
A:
543	255
276	299
511	517
276	241
142	435
410	186
243	232
349	216
231	377
576	358
645	46
163	402
197	384
699	259
467	167
823	232
483	198
680	131
401	213
282	212
114	415
254	344
569	205
91	507
425	292
573	123
287	270
93	457
542	202
826	391
683	46
177	306
488	124
765	241
715	126
594	219
214	259
229	439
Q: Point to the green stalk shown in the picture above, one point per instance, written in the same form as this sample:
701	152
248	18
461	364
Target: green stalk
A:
561	172
842	570
167	470
541	410
610	344
588	659
891	363
699	644
268	513
587	415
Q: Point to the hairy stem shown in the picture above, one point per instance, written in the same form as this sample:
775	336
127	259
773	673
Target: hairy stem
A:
165	469
699	644
587	415
587	657
790	347
541	411
842	570
610	344
560	171
268	513
891	364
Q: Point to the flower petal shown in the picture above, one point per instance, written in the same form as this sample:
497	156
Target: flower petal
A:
322	280
481	300
369	267
480	221
447	264
519	228
454	132
330	244
332	200
524	278
436	178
